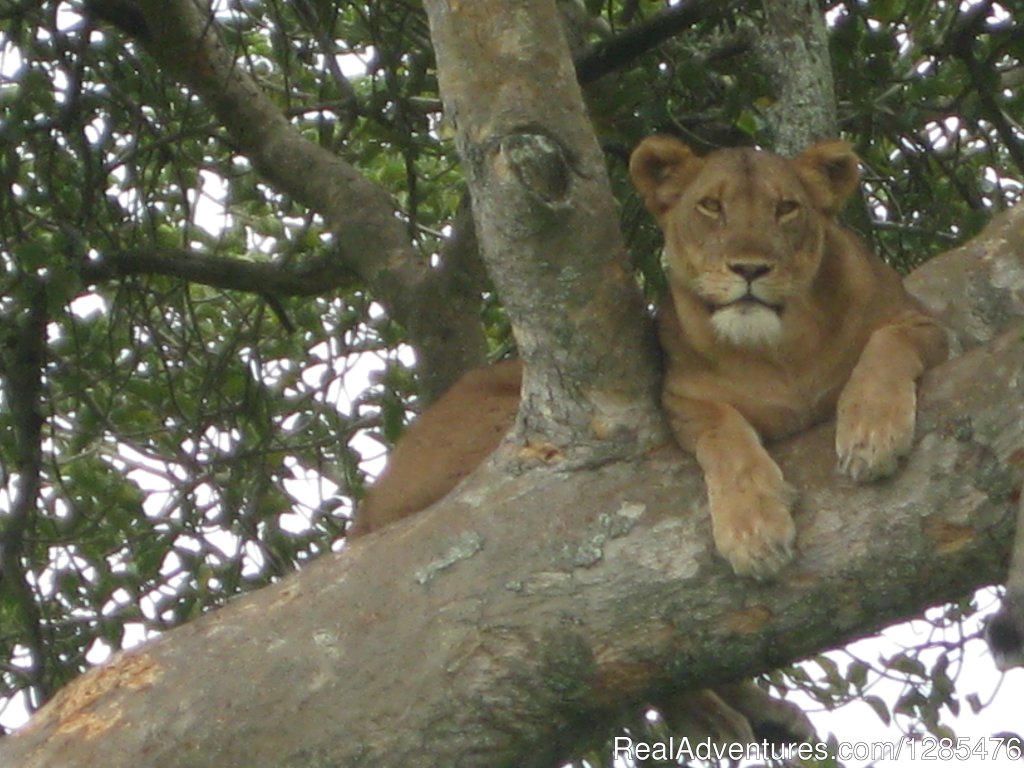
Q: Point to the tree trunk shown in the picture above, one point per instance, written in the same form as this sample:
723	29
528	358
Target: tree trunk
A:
529	608
535	606
794	48
548	226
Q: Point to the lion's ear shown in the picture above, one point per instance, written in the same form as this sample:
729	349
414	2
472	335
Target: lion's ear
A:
660	168
830	171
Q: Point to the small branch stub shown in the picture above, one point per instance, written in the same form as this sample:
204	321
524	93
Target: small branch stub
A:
539	163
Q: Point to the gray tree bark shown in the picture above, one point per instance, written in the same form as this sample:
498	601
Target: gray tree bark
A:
544	600
507	622
548	227
794	49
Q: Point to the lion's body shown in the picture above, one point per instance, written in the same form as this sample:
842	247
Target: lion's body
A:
443	445
776	319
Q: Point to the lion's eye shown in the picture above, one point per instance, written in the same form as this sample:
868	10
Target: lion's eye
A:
786	209
709	206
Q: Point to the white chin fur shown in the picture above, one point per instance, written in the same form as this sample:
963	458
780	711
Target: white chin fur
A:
747	325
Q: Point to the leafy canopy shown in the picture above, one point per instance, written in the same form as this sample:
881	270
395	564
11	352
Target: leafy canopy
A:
168	441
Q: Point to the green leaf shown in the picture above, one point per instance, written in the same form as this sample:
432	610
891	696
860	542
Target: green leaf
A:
880	708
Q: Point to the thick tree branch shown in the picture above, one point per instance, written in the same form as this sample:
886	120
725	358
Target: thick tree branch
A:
372	241
547	225
977	290
527	608
794	50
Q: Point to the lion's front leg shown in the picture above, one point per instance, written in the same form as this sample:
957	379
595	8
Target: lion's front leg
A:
748	498
750	508
877	409
875	425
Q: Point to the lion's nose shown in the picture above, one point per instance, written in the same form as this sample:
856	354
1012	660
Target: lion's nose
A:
750	271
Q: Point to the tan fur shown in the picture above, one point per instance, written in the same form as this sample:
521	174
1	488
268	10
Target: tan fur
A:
832	331
835	332
776	317
443	445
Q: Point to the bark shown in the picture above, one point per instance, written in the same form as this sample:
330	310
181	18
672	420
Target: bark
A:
228	273
532	608
547	226
794	49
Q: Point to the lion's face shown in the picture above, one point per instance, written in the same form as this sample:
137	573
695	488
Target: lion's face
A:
743	237
743	229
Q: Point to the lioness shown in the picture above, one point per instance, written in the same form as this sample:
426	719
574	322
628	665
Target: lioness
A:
775	317
774	314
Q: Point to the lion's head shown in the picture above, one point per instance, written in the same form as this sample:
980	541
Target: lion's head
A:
744	229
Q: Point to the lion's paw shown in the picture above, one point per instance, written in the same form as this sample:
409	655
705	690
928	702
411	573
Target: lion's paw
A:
753	528
874	429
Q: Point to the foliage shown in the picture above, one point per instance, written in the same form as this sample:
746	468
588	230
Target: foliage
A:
194	441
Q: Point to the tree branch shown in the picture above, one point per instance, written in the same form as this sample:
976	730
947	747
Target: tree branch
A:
794	49
22	359
312	278
372	241
977	290
547	226
528	608
619	51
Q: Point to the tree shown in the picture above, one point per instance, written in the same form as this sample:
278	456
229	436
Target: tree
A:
165	380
